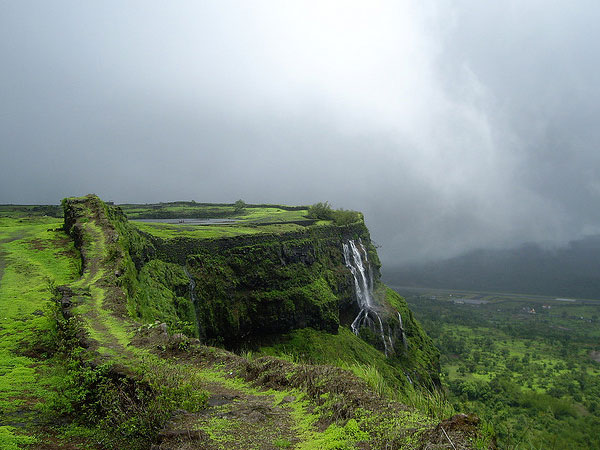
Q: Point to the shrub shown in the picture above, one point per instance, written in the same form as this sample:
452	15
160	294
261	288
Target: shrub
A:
239	206
320	211
324	211
345	216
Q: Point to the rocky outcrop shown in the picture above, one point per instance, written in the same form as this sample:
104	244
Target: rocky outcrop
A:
243	290
271	285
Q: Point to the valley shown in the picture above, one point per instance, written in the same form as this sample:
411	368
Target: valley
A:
525	363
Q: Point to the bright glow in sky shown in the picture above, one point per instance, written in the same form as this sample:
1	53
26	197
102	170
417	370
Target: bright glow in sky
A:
450	124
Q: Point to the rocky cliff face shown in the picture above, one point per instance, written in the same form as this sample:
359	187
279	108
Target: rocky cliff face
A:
299	289
239	291
249	287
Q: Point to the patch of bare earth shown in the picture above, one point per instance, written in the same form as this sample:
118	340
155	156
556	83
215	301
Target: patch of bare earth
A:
233	420
457	433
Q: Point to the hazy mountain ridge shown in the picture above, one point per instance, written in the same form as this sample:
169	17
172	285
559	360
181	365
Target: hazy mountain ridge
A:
570	271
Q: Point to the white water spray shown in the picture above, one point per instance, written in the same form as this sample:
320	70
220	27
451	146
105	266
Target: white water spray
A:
404	341
191	286
363	286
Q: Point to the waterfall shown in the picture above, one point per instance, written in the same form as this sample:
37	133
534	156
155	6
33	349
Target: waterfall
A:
404	341
191	286
363	287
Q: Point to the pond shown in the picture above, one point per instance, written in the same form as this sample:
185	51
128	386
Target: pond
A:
188	221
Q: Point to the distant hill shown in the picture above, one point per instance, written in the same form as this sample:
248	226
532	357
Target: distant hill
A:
570	271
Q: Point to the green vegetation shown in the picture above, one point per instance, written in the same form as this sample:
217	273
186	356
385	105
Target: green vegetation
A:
178	210
247	290
166	231
240	211
239	206
33	260
98	345
347	351
163	295
30	211
522	363
324	211
343	349
247	221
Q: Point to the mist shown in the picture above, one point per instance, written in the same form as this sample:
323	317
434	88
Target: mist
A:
451	125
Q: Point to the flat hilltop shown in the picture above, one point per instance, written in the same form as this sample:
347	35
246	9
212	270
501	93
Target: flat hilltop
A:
222	220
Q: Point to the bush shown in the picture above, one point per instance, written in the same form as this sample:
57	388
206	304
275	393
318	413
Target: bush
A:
324	211
320	211
239	206
345	216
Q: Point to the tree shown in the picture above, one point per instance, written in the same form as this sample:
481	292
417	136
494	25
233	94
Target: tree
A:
239	206
323	211
320	211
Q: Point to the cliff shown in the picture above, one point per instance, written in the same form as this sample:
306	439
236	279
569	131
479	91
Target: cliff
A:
291	291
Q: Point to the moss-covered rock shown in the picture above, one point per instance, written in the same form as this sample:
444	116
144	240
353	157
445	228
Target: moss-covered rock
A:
241	290
270	287
163	294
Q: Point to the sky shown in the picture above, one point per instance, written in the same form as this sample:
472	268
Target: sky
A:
451	125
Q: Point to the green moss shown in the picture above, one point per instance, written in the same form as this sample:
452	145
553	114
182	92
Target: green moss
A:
337	437
247	288
343	349
10	440
33	261
272	286
421	359
163	294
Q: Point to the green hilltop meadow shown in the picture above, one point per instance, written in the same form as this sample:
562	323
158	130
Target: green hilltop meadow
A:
210	326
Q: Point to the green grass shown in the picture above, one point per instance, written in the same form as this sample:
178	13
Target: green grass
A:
33	260
28	211
348	351
11	440
259	215
166	231
249	221
177	209
344	349
254	214
111	333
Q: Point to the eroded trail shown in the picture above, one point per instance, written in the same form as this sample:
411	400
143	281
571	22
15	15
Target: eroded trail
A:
235	418
110	334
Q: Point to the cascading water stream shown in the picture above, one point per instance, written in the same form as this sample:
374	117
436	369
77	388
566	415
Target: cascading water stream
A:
191	286
402	331
363	286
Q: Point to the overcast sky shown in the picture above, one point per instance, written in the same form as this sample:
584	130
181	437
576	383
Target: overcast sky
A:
450	124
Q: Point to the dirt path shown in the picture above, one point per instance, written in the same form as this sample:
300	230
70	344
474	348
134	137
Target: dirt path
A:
234	419
104	325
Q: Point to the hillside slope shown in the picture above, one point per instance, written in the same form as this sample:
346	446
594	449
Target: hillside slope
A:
130	384
568	271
